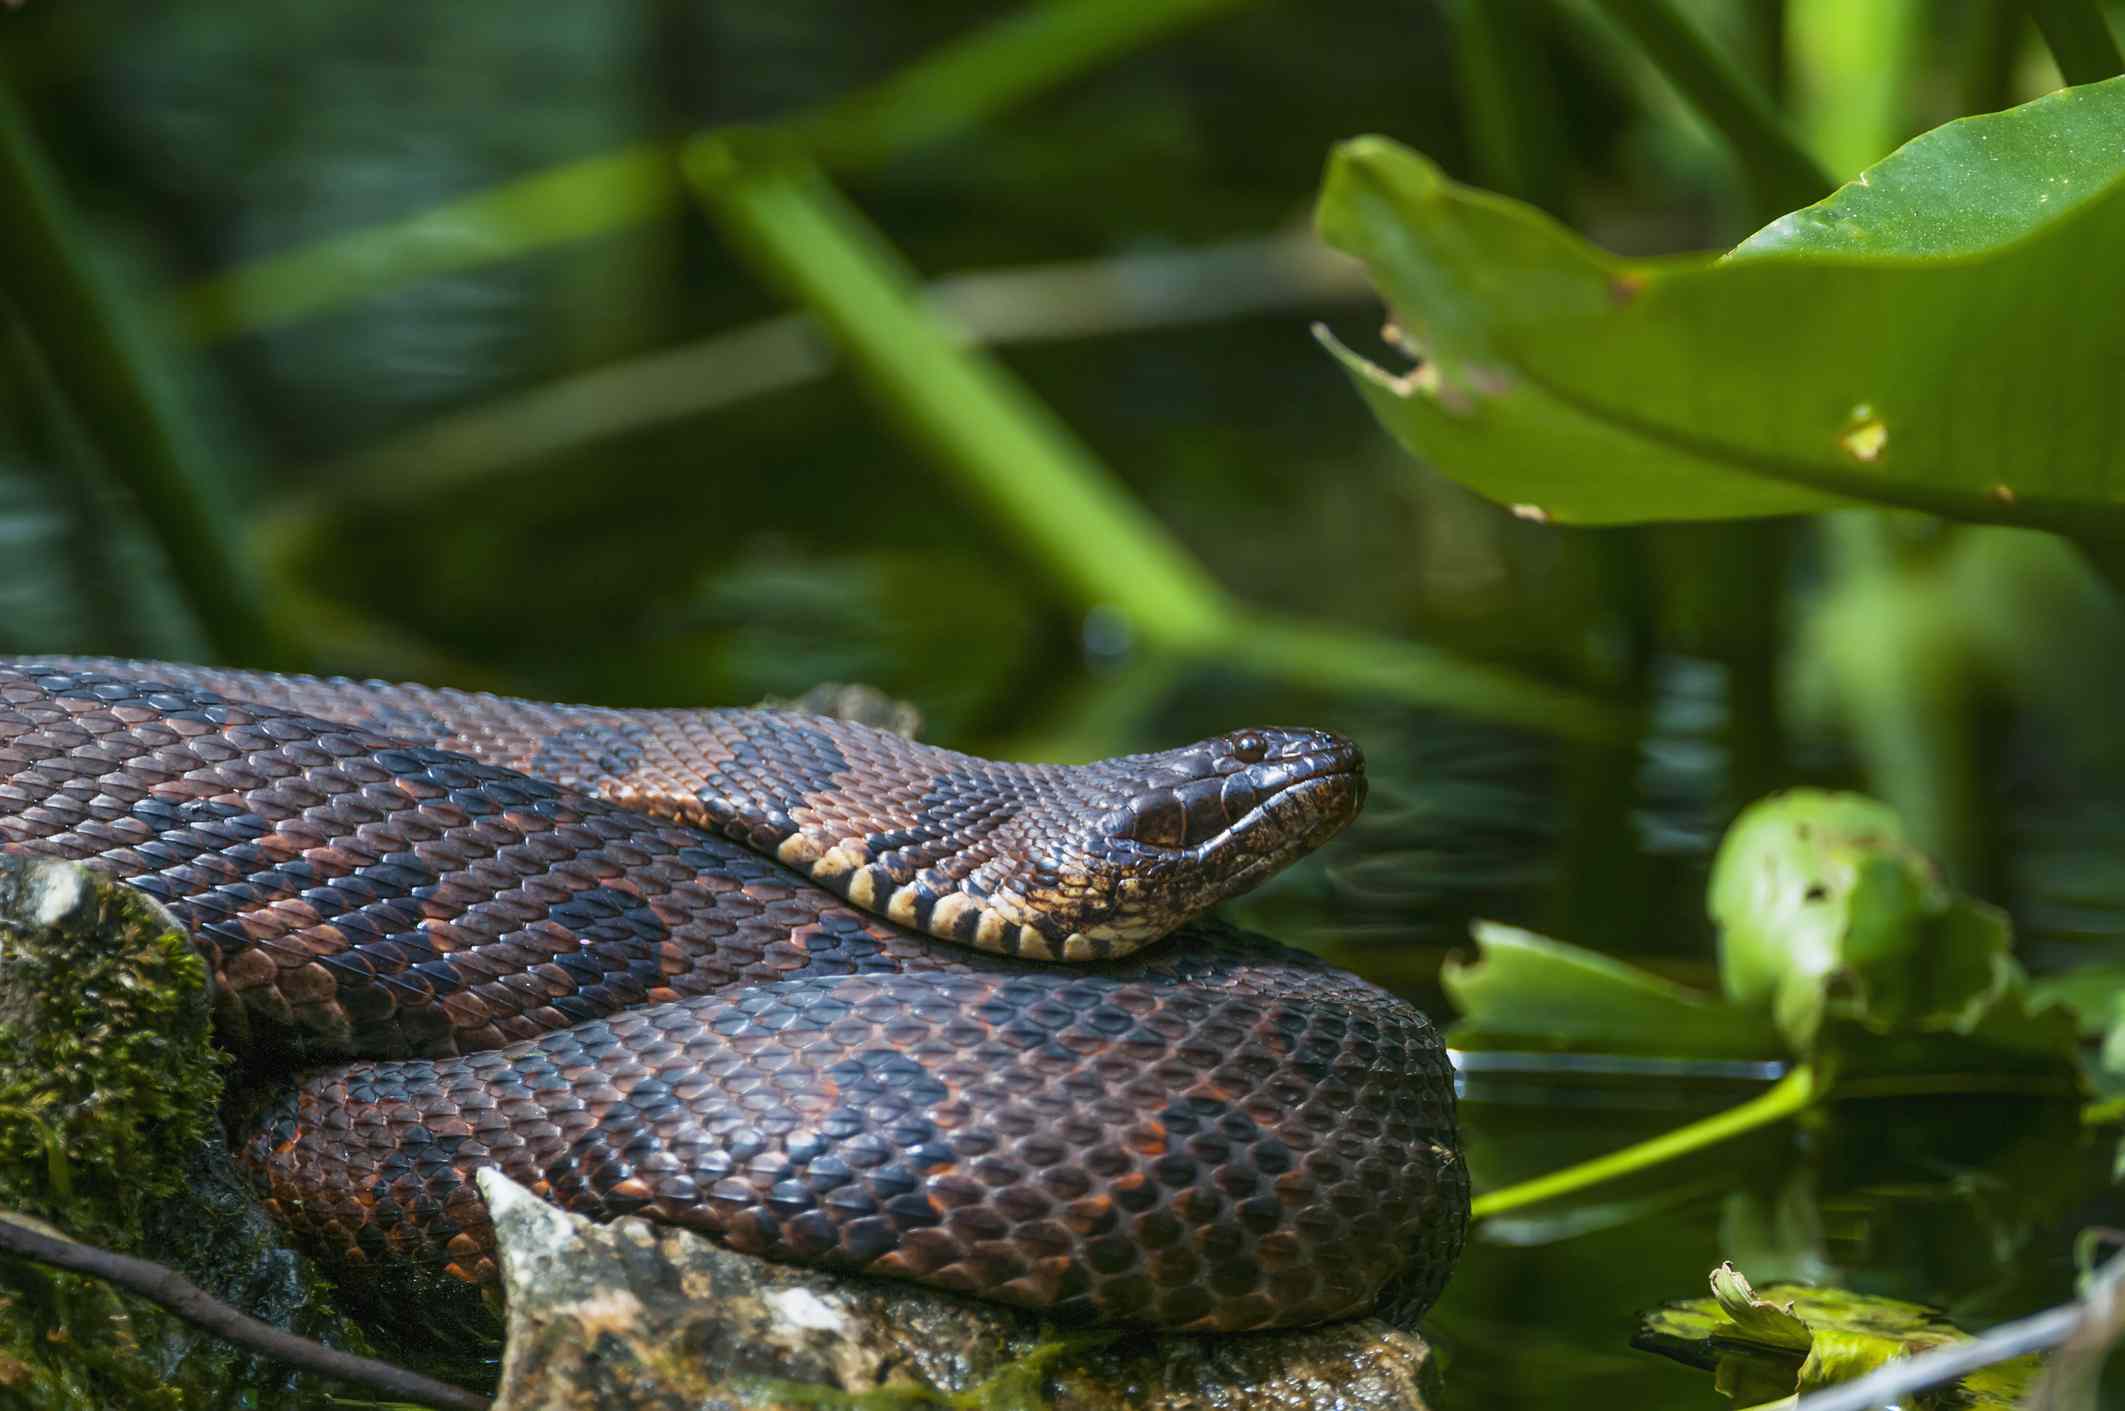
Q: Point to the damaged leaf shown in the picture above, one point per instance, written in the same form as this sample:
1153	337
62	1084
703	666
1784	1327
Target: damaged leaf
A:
1829	357
1828	917
1839	945
1755	1319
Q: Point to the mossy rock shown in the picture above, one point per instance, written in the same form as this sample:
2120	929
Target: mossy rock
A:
110	1133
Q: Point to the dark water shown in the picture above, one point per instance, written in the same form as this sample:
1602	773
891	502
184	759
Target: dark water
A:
1967	1203
1970	1203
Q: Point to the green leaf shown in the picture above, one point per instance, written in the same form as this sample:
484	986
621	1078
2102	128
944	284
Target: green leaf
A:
123	393
1527	991
1829	919
1460	268
990	68
1784	886
1830	356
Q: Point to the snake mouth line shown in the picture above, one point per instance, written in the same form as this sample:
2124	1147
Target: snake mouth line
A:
1311	811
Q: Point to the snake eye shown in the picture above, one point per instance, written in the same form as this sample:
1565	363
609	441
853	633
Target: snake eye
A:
1250	748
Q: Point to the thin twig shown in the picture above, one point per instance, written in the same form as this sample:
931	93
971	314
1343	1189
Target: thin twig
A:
1899	1379
171	1290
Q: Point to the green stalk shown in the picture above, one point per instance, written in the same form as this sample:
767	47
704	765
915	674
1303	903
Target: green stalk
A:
2079	37
54	441
1786	177
1986	46
1004	63
564	203
112	375
995	67
1007	449
1016	458
1790	1095
1508	97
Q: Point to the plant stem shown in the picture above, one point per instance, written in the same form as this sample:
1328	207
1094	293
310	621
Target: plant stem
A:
1020	461
1785	175
1004	62
1508	98
1066	299
1331	657
573	201
2079	37
1007	449
1854	68
1791	1094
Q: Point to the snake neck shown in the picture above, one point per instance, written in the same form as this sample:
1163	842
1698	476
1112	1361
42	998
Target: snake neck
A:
1041	861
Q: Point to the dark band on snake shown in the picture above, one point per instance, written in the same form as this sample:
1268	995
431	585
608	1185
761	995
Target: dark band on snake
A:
666	963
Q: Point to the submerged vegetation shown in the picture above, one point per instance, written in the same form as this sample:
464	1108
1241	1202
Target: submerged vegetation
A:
680	354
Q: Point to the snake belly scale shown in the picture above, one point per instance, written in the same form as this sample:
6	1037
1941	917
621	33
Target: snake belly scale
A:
769	976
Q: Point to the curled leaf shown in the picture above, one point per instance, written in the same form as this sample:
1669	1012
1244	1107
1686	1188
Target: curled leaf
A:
1756	1319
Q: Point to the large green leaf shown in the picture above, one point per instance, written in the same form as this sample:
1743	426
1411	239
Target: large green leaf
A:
1931	335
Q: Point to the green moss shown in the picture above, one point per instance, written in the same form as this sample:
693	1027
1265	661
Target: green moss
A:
110	1093
108	1079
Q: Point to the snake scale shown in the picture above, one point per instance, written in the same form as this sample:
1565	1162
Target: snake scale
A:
771	976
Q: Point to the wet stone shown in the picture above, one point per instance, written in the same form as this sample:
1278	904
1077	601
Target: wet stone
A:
632	1316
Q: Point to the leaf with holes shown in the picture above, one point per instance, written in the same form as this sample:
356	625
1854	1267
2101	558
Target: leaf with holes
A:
1930	335
1834	924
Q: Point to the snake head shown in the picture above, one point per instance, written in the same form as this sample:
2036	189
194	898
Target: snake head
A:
1120	852
1046	861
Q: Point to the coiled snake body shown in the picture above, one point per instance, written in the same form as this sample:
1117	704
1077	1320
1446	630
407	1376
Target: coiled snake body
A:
667	963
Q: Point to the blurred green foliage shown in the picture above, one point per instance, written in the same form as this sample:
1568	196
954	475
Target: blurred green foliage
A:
403	350
672	353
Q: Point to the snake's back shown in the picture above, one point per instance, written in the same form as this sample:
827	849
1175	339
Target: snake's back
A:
632	1015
